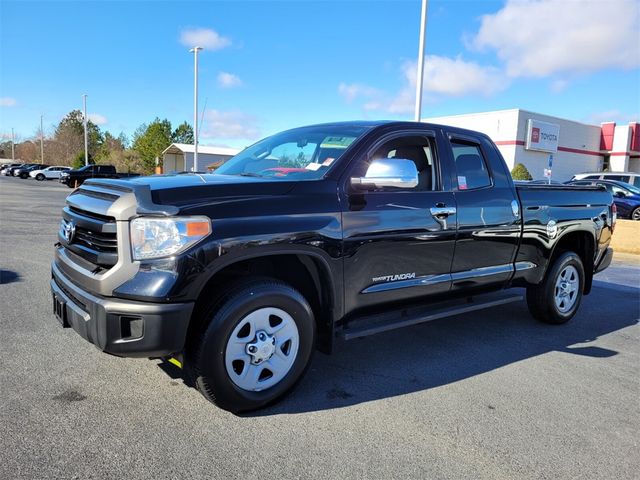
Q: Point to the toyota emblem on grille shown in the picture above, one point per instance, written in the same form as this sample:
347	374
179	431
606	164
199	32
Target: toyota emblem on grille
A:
69	230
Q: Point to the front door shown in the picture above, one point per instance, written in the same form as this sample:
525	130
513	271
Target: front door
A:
396	248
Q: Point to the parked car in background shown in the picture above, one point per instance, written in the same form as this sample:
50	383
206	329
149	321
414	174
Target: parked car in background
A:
6	166
48	173
11	171
75	178
631	178
23	172
625	196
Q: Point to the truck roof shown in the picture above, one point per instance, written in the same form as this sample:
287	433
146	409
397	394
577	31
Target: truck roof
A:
394	123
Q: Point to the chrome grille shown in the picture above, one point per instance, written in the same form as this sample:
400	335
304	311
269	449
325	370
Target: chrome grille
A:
90	235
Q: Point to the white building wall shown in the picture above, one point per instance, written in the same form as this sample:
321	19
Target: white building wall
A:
619	160
578	143
500	125
204	160
578	148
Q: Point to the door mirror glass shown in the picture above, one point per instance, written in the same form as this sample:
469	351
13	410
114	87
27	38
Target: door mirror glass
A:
619	194
388	172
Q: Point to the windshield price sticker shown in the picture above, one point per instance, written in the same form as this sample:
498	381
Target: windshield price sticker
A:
313	166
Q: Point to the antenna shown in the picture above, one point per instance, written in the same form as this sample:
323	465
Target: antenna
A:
202	117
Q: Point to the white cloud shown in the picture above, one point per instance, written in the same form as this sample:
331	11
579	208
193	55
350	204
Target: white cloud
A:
205	38
559	85
97	118
8	102
456	77
537	38
229	125
228	80
351	91
443	77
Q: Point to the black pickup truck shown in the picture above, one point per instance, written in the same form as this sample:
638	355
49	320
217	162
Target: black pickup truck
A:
75	178
239	276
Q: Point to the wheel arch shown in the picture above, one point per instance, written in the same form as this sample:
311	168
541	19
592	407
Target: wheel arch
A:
582	243
308	272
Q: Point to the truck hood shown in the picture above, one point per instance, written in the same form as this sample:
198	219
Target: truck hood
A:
191	189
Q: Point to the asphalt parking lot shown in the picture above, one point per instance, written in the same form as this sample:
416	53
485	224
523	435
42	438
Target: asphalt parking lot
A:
489	395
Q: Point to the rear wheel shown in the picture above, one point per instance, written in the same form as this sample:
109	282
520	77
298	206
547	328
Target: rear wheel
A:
557	298
40	177
254	346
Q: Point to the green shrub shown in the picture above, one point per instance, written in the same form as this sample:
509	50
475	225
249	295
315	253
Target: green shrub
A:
520	172
78	161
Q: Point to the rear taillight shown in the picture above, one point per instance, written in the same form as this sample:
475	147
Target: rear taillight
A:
614	216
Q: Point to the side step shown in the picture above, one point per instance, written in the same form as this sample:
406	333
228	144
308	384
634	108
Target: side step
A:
362	327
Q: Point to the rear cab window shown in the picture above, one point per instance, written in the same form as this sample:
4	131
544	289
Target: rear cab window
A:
471	167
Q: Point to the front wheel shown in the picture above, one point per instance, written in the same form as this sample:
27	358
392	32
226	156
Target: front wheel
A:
254	346
557	298
635	215
40	177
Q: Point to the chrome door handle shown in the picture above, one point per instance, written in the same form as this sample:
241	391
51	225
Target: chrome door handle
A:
442	212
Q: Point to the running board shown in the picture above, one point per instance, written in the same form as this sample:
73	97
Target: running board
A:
404	318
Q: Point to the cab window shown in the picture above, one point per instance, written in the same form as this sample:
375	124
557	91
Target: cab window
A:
471	168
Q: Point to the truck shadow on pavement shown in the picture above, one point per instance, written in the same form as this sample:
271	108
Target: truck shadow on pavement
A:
449	350
8	276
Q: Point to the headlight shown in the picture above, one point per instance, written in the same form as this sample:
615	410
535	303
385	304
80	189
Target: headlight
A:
162	237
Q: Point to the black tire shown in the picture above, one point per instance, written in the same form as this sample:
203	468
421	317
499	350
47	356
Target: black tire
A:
40	177
541	299
205	356
635	214
24	176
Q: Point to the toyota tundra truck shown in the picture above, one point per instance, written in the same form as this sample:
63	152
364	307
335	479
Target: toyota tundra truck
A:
239	276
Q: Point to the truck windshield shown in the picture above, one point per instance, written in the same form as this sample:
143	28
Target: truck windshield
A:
305	153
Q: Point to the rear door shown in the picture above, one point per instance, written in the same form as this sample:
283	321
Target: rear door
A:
396	247
488	214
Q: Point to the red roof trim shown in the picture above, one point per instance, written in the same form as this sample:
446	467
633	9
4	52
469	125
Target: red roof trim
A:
581	152
562	149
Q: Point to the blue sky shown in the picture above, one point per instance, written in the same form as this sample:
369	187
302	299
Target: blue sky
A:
274	65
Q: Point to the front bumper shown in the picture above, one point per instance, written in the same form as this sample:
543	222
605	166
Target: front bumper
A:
120	327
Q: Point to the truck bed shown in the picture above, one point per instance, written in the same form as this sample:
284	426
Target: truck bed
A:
532	196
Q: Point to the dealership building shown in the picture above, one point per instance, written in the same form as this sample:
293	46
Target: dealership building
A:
178	157
530	138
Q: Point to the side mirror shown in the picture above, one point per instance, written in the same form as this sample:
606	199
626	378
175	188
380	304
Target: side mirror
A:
388	172
619	194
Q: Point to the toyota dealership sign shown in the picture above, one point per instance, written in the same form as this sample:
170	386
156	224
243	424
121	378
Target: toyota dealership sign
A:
542	136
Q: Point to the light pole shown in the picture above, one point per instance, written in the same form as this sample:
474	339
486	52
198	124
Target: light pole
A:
41	141
86	143
195	51
420	73
13	147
